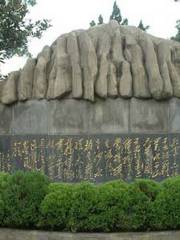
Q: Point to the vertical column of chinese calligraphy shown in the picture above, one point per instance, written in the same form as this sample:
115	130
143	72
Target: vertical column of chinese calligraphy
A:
76	158
157	161
165	158
16	154
89	161
56	163
128	156
41	155
117	146
5	161
79	159
20	154
2	162
108	158
98	159
137	158
147	157
51	162
31	157
68	160
27	153
175	156
8	161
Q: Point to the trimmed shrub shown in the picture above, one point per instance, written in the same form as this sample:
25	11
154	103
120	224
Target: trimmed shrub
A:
83	204
56	206
166	207
122	206
22	198
28	200
4	177
150	189
3	183
111	200
135	210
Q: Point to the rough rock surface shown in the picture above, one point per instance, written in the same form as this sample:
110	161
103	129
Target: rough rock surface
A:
88	64
62	83
73	51
9	90
134	56
40	83
104	61
25	83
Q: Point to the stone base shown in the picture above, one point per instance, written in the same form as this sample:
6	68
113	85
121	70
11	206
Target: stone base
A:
74	140
9	234
110	116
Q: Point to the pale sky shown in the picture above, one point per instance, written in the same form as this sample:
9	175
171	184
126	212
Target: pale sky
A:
68	15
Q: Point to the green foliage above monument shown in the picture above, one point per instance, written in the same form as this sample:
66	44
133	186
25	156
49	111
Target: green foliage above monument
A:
116	15
177	36
142	27
16	29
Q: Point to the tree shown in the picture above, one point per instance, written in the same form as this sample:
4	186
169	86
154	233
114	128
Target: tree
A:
116	15
100	19
177	37
15	29
142	27
92	23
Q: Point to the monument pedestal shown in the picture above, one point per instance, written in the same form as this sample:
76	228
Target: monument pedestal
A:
72	140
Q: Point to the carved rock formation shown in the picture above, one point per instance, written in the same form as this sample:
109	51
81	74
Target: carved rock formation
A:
104	61
26	79
40	83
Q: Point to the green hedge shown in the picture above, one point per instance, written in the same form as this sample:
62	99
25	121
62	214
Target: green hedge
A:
22	196
28	200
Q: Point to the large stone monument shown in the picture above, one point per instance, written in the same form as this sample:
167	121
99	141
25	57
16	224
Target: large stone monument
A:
98	104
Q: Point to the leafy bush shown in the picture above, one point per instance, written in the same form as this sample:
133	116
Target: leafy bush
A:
113	206
3	183
149	187
110	205
83	204
148	191
135	209
28	200
22	198
56	206
122	206
88	208
166	207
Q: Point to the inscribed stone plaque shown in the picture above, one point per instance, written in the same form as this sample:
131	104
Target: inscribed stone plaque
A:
93	157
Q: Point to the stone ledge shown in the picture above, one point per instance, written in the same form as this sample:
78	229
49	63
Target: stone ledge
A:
111	116
11	234
149	116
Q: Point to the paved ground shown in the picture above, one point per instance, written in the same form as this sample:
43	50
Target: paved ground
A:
9	234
